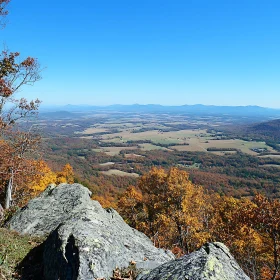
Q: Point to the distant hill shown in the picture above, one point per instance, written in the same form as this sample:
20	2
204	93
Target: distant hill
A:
269	129
58	115
197	109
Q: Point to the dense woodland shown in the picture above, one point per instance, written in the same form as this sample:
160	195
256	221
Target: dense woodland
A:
181	215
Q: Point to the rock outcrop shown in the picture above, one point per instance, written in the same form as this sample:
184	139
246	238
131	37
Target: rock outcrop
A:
85	241
212	262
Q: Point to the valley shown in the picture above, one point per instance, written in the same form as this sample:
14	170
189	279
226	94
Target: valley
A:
110	149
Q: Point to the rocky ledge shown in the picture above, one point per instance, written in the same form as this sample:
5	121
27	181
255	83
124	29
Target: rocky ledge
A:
212	262
85	241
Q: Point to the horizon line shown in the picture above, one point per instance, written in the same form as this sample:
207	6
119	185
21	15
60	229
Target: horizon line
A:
153	104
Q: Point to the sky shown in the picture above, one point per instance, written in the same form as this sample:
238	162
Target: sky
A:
169	52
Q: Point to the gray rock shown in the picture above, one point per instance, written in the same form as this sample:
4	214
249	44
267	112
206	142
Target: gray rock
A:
55	205
86	241
212	262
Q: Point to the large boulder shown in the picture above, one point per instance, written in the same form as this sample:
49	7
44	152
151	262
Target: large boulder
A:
211	262
54	206
85	241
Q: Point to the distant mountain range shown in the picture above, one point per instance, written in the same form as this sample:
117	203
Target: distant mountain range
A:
155	108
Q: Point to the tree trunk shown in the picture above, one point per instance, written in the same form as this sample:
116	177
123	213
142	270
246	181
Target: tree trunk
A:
9	188
1	212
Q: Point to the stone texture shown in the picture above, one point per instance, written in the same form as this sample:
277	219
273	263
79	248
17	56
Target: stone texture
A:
212	262
85	241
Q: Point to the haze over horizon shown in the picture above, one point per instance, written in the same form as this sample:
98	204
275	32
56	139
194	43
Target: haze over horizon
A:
149	52
155	104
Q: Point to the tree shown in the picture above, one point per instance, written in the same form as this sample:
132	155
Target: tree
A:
16	152
42	177
179	215
66	175
15	74
170	209
265	219
230	227
131	206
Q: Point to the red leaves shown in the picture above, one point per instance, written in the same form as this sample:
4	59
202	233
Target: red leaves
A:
266	216
28	62
5	90
13	76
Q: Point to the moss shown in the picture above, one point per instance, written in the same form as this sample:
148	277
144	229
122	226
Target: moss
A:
13	249
214	265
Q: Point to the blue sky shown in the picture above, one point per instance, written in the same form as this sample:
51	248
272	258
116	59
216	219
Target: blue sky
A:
170	52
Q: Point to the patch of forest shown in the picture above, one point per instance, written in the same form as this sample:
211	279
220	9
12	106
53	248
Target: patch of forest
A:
237	174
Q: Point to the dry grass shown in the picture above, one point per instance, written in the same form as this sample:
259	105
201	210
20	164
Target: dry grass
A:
13	249
270	165
155	136
119	173
150	147
112	151
107	163
201	144
93	130
270	156
132	156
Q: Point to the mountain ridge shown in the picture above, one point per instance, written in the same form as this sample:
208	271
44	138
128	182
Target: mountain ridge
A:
157	108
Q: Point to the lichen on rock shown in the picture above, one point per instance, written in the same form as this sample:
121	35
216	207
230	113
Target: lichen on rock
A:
212	262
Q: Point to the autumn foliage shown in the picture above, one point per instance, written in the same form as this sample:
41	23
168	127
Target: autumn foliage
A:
45	176
17	145
179	215
36	177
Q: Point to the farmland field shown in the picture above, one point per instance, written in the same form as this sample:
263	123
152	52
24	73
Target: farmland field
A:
112	149
181	140
270	156
119	173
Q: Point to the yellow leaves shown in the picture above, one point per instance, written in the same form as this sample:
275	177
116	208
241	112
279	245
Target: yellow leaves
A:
168	207
130	206
66	175
45	176
171	210
105	201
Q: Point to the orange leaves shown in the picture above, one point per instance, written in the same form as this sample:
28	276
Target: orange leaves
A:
13	75
169	208
175	213
131	206
267	214
106	200
66	175
5	90
250	229
16	164
29	62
